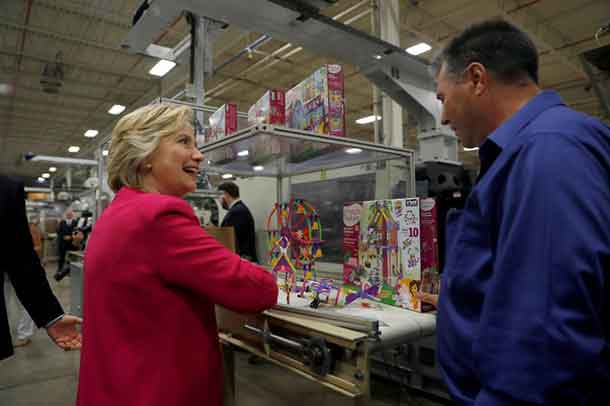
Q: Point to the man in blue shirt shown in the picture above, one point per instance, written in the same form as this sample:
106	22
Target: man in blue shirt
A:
524	312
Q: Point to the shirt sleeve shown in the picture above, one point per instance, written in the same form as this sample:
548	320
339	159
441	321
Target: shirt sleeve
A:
194	260
27	275
542	337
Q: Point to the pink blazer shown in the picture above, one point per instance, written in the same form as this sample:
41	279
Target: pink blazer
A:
152	277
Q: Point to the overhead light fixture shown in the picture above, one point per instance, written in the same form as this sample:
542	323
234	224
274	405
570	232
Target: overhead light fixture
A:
243	153
162	67
378	57
471	149
61	159
91	133
258	168
104	152
52	169
227	176
41	180
116	109
368	119
73	149
46	175
353	150
419	48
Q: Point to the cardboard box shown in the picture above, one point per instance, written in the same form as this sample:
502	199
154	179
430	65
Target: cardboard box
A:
317	103
351	238
222	123
269	109
389	264
430	279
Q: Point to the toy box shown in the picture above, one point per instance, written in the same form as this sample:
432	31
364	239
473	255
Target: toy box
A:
222	123
388	268
351	238
317	103
269	109
430	278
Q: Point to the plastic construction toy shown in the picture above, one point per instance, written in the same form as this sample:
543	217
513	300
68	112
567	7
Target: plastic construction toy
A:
294	242
322	291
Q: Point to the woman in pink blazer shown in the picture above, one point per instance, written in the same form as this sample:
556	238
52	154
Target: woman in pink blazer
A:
153	275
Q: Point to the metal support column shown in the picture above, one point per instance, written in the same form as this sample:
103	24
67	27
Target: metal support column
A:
69	178
200	64
389	30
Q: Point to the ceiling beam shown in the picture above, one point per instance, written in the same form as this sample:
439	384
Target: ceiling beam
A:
121	22
80	66
8	74
62	37
544	34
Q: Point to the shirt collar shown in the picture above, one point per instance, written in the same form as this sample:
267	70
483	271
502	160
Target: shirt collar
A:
234	203
506	133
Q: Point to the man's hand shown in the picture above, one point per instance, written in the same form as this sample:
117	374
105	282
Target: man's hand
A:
65	334
427	298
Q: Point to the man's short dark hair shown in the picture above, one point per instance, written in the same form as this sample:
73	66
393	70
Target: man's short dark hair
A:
231	188
506	51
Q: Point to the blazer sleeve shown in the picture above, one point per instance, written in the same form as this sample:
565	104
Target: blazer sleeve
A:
26	273
192	259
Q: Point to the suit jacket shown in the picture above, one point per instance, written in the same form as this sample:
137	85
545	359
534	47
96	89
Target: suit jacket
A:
65	229
241	219
153	276
20	262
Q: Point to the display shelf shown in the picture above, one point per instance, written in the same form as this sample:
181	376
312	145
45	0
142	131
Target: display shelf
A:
281	152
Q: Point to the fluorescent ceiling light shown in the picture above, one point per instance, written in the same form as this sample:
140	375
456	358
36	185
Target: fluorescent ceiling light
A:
91	133
258	168
378	57
52	169
353	150
73	148
41	180
46	175
116	109
368	119
104	152
419	48
227	176
471	149
243	153
162	67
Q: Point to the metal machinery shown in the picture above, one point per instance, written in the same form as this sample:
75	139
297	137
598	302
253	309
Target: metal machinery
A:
331	346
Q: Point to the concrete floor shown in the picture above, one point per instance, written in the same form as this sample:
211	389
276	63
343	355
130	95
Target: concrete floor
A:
42	375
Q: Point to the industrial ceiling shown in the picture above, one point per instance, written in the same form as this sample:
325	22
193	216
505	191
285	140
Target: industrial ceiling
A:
62	67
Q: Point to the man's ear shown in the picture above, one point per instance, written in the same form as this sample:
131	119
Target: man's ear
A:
478	76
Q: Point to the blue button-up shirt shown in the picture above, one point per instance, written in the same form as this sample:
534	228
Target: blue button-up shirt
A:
524	311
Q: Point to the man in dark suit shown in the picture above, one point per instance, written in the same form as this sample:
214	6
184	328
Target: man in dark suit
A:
20	262
240	218
65	238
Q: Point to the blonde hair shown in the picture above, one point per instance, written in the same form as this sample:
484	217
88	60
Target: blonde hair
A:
137	136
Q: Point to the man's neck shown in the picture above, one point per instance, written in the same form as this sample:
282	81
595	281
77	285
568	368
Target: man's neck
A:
234	202
508	100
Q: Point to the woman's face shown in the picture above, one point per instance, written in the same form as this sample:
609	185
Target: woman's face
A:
173	169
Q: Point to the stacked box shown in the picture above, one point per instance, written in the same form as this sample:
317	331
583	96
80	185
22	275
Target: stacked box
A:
351	237
223	122
389	264
317	104
430	279
269	109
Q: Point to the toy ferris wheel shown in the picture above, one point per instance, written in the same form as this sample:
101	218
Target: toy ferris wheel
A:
294	241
